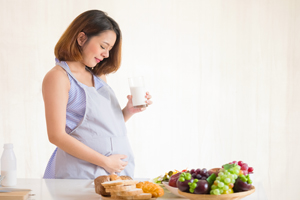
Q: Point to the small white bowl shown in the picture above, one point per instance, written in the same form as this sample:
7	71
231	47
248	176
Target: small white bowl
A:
173	190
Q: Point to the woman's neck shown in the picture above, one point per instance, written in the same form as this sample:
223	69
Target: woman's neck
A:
76	66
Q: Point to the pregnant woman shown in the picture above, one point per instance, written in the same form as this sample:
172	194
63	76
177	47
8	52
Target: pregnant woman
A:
83	116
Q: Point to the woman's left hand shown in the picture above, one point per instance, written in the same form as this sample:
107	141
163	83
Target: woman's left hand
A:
133	110
129	110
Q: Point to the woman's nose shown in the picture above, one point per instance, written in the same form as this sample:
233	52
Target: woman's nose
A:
105	54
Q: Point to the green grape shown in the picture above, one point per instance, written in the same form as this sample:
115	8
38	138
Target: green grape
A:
217	192
237	167
226	176
194	185
188	176
221	184
236	171
181	179
227	180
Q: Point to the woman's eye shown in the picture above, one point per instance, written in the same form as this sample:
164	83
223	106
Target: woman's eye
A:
102	47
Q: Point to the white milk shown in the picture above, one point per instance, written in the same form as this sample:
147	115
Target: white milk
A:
10	178
138	96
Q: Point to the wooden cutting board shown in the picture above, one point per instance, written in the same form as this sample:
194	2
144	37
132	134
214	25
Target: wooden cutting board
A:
14	195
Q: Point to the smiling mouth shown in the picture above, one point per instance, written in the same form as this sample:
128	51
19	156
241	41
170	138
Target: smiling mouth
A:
98	60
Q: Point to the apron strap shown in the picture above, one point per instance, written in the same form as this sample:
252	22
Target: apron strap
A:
66	67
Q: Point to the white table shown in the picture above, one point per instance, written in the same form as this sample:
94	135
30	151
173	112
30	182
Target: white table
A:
74	189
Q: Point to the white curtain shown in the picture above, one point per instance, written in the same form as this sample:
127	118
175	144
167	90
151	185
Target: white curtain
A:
224	76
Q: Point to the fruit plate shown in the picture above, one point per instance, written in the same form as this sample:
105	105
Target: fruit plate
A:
109	198
233	196
174	190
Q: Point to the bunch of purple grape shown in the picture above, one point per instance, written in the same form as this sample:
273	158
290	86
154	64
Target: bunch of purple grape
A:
200	174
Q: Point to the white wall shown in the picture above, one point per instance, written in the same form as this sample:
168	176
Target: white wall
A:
224	76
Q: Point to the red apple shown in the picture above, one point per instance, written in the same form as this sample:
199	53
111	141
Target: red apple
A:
173	179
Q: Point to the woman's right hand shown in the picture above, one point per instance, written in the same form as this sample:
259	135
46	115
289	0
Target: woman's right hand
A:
115	163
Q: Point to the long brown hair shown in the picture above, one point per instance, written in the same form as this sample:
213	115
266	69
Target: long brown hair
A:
92	23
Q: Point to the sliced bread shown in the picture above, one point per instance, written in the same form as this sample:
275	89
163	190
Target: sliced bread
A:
132	192
112	183
119	182
120	188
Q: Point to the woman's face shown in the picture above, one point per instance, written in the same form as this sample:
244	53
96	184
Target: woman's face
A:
98	47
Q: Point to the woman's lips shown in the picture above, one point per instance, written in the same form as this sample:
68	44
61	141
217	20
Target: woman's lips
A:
98	60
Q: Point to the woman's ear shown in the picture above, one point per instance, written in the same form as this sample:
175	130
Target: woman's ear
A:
81	38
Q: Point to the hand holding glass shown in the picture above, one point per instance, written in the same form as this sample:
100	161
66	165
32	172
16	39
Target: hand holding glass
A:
138	92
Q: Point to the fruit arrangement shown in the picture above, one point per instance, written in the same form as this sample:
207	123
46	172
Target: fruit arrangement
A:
231	178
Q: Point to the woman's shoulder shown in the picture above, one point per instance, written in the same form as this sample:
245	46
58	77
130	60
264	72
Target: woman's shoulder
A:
57	71
57	76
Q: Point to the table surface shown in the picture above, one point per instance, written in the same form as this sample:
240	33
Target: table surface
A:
78	189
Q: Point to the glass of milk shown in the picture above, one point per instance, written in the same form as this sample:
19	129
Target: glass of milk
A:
138	91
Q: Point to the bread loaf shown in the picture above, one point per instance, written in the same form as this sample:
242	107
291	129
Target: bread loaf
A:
99	189
123	188
114	177
125	177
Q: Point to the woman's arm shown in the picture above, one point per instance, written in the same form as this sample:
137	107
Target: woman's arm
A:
56	87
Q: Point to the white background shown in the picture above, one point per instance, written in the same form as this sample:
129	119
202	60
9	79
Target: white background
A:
224	75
